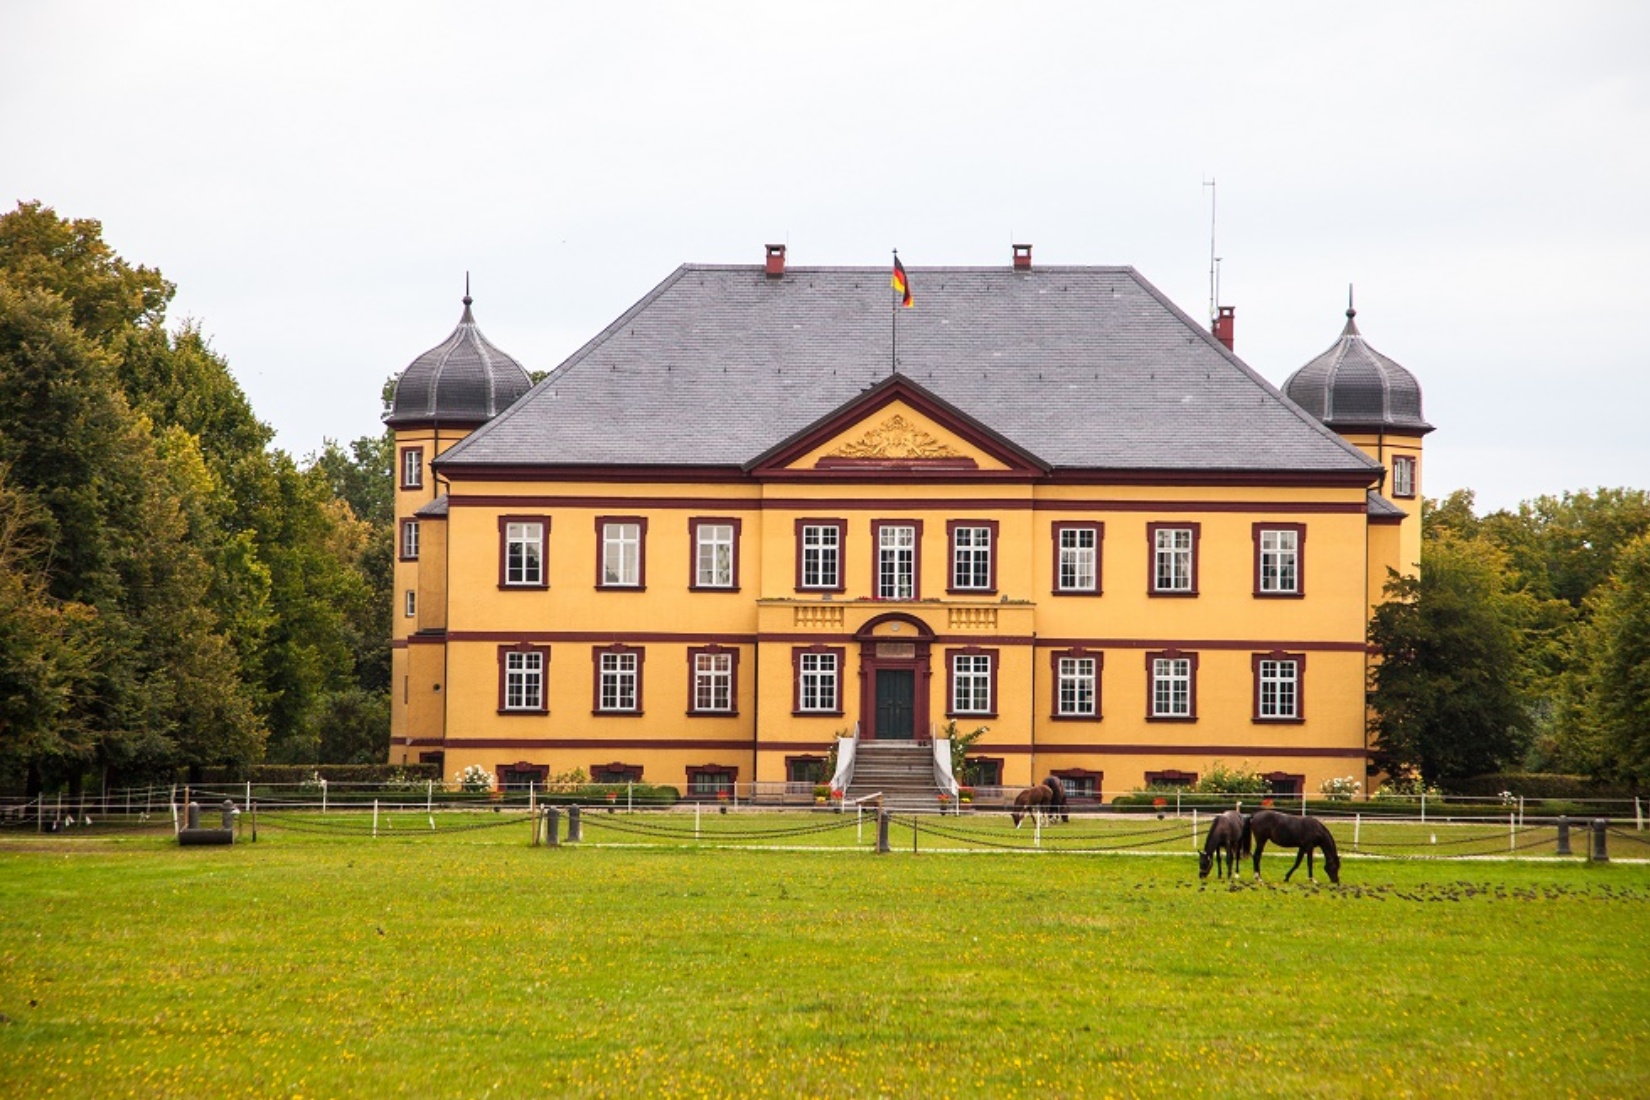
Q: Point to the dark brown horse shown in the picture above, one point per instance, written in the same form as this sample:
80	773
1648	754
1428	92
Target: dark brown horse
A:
1032	801
1228	837
1047	800
1290	831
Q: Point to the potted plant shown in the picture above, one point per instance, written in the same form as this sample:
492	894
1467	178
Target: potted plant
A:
965	794
822	792
1158	804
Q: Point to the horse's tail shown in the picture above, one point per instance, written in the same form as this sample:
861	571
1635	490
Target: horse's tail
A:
1247	840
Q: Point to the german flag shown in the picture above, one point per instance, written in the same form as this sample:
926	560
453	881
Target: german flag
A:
900	283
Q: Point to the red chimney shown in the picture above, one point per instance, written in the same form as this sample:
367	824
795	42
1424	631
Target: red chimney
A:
1223	324
776	260
1022	257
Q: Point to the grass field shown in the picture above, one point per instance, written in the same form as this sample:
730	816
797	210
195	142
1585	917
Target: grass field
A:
467	963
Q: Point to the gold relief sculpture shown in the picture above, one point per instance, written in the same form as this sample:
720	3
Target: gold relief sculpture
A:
894	438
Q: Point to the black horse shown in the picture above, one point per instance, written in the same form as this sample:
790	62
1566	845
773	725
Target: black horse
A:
1229	837
1057	798
1289	831
1047	800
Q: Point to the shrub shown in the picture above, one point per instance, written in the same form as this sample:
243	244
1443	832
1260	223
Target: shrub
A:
1219	779
1340	788
475	779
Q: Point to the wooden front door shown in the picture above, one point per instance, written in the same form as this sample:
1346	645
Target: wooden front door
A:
896	694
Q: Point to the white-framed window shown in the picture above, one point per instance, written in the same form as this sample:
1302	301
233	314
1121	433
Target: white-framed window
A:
896	562
619	676
1403	476
817	687
1278	691
1077	558
821	565
621	554
712	682
524	553
1074	686
524	680
409	539
1279	561
1173	562
971	557
1171	687
412	468
410	604
970	684
713	555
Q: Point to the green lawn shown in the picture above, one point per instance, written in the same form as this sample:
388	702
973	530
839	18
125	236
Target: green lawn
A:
466	963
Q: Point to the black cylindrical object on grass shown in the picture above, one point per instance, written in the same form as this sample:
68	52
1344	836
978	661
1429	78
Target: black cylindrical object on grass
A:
882	831
1600	826
552	826
574	831
1563	837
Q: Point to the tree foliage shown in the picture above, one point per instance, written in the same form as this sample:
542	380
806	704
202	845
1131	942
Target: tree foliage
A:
175	591
1447	693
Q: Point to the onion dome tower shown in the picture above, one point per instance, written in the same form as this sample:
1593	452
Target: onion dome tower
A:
442	396
1375	405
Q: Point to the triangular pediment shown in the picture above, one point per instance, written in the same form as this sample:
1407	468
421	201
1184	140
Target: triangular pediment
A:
896	427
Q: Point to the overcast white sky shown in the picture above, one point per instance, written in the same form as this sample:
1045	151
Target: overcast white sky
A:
317	178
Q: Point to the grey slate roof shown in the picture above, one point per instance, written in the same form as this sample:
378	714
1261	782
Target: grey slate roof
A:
1084	367
435	509
1352	386
1380	506
462	380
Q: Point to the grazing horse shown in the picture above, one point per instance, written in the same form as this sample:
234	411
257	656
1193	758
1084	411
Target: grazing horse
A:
1057	798
1031	801
1229	837
1289	831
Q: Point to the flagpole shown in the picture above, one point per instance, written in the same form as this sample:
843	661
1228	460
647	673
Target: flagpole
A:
893	304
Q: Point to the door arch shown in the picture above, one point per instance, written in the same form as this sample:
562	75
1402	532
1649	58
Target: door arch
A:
894	677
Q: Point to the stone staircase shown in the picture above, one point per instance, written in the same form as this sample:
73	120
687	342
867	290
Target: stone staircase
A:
903	771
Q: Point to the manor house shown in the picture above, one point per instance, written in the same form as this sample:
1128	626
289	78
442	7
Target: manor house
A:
767	507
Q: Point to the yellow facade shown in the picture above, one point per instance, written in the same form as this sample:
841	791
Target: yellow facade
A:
909	467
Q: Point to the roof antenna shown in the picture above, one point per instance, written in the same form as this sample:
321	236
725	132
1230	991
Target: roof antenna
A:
1214	261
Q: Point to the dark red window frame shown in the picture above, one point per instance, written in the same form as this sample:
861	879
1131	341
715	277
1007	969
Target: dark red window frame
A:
1075	653
951	676
951	526
1300	686
1300	559
797	652
841	526
596	653
504	552
876	557
1151	685
1099	530
693	678
641	553
1151	558
693	552
544	678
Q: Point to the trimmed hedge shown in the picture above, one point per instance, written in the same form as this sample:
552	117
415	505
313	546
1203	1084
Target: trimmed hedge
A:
332	773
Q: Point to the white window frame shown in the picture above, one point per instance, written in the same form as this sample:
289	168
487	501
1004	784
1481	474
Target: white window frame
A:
713	683
1403	476
971	683
409	540
524	553
1172	559
1280	556
971	551
412	468
621	554
410	604
713	555
1171	687
1075	687
822	555
1082	562
820	690
618	693
524	680
1279	695
897	561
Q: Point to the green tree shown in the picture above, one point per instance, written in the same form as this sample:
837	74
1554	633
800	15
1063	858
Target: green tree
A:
1447	694
1616	690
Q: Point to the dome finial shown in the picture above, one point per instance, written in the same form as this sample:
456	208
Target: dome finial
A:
1351	328
467	319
